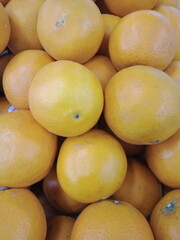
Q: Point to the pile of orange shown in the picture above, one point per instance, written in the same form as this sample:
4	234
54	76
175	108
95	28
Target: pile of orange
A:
89	120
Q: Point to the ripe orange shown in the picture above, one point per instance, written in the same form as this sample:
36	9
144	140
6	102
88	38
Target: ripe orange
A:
134	188
163	160
66	98
73	30
174	3
173	70
57	197
142	105
111	220
59	228
4	105
22	216
91	166
19	74
165	220
144	37
27	149
23	19
110	22
102	67
5	28
3	63
173	15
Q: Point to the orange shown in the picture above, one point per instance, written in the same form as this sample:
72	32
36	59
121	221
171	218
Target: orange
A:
173	15
138	180
4	2
27	150
173	70
111	220
110	22
163	160
22	216
59	228
5	28
165	220
4	105
19	74
174	3
102	67
144	37
73	30
124	7
142	105
66	98
91	166
57	197
23	20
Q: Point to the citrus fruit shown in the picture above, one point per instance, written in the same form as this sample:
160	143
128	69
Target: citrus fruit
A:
73	30
91	166
142	105
111	220
173	15
163	160
19	74
124	7
144	37
174	3
23	19
57	197
5	28
165	221
102	67
3	63
22	216
66	98
27	149
59	227
110	21
134	188
173	70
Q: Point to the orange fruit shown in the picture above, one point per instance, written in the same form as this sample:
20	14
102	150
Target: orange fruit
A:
19	74
73	31
110	22
22	216
91	166
23	20
4	2
27	150
4	105
66	98
134	188
165	221
59	227
144	37
5	28
124	7
174	3
163	160
173	70
142	105
111	220
173	15
57	197
102	67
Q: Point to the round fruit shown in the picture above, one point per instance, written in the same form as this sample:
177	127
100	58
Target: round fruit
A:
142	105
111	220
73	30
3	63
27	150
19	74
163	160
5	28
173	70
134	188
144	37
165	221
22	216
66	98
173	3
91	166
23	20
59	228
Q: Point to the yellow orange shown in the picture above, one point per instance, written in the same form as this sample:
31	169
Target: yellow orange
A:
5	28
173	70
